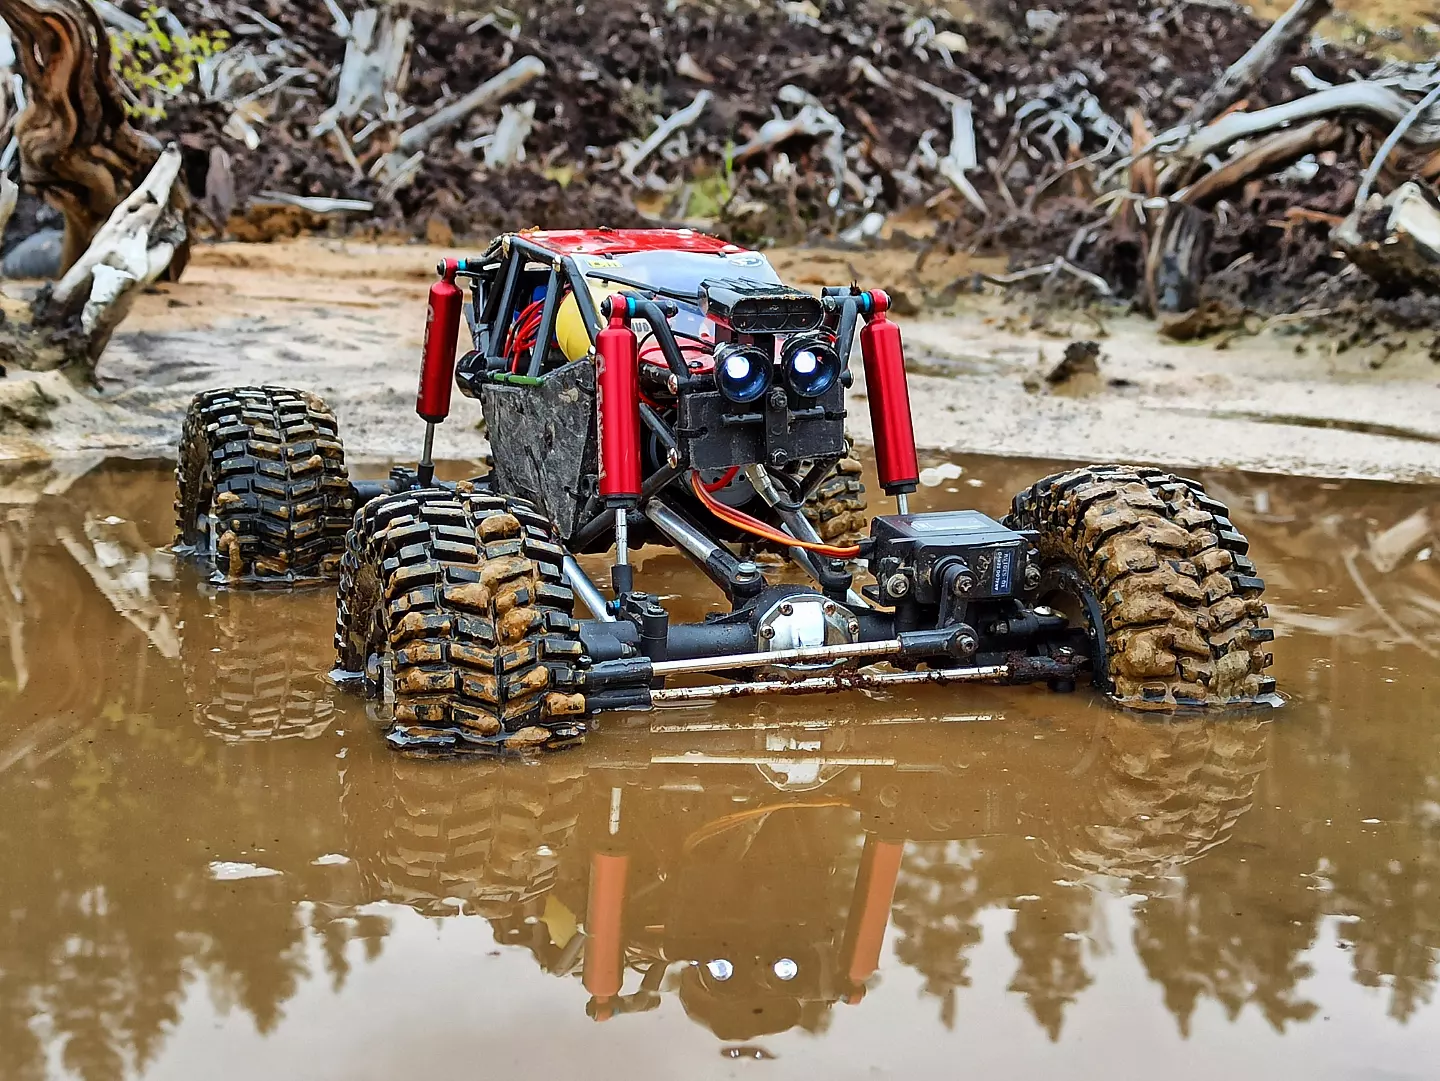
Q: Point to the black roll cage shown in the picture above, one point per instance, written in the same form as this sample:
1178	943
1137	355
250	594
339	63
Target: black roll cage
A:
488	328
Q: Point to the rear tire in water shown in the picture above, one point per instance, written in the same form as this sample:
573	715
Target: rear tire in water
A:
1160	575
453	609
262	487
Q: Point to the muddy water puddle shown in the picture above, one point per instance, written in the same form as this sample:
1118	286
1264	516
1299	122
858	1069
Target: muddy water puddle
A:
211	867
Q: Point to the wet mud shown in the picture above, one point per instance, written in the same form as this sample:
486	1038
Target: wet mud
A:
213	868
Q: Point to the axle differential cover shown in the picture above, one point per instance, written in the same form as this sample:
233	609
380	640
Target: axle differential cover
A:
806	620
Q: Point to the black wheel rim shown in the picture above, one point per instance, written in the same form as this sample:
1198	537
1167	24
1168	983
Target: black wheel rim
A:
1065	589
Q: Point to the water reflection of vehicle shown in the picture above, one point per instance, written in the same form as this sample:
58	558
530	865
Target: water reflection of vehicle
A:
756	879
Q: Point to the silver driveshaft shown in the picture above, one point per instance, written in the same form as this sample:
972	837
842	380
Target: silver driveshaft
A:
848	651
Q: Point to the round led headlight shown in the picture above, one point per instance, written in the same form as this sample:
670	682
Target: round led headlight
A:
742	372
811	364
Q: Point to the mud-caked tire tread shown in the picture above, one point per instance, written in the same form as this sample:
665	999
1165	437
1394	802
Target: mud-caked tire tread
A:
1183	607
268	463
463	591
838	509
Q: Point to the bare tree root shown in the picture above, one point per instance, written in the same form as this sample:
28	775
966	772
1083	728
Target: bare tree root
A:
77	146
69	325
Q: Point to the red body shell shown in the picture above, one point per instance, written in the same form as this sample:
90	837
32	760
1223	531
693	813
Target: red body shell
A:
622	241
889	393
442	335
617	404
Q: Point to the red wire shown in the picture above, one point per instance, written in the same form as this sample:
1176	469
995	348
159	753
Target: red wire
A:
726	479
516	329
526	323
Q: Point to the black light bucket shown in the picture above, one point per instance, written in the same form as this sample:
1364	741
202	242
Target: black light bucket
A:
748	307
742	372
811	364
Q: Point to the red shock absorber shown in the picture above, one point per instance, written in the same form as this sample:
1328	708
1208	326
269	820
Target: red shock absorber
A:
617	402
889	395
442	335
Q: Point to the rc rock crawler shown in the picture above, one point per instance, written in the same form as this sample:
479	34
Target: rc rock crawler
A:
664	387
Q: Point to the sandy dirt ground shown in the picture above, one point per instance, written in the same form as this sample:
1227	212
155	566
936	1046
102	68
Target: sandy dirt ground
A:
345	319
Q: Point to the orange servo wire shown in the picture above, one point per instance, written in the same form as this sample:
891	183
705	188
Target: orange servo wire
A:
740	520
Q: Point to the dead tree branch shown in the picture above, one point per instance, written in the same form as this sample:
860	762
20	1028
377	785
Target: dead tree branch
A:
1267	156
1251	68
501	86
1376	104
71	324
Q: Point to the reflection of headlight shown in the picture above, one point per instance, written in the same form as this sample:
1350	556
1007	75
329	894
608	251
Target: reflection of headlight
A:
785	969
720	968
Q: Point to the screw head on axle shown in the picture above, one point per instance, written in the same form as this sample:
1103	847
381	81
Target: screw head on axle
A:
1032	576
964	584
967	644
897	585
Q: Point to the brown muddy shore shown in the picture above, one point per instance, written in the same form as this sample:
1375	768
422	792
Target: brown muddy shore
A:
344	319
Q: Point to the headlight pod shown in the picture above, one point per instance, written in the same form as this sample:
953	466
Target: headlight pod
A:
811	364
742	372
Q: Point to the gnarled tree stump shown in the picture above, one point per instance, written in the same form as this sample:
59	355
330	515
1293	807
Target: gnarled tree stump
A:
77	146
122	196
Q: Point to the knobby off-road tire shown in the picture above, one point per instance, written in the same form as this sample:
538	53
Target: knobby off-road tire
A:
838	508
1163	575
262	485
452	604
